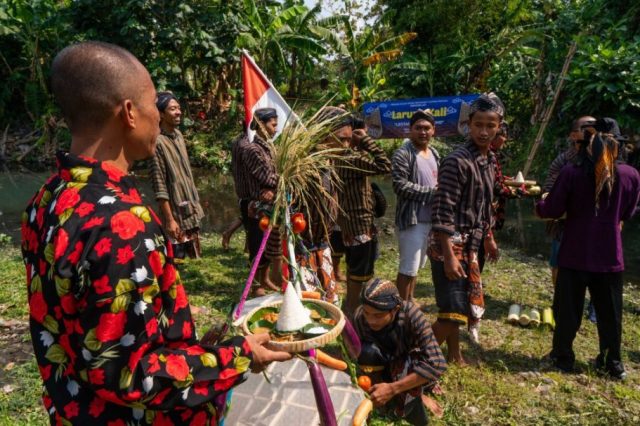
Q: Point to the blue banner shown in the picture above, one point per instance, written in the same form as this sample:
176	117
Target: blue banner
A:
390	119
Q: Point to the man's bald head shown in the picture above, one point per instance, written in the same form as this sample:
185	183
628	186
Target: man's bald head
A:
90	79
579	122
577	133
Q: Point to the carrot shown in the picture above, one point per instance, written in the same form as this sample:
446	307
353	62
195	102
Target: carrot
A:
362	412
330	361
311	295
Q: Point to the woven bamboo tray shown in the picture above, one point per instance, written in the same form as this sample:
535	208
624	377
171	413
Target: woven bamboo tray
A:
306	344
526	183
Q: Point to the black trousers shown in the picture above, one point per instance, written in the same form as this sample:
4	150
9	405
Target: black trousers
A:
254	234
568	307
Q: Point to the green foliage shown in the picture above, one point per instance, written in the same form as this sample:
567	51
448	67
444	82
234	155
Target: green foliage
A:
5	239
517	48
184	44
31	32
514	47
210	151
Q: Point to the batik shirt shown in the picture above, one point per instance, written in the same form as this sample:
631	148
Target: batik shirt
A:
110	321
355	195
462	202
172	180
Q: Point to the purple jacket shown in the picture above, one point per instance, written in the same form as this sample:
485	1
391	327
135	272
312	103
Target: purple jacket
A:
591	240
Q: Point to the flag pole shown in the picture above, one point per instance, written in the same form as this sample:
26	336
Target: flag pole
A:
263	75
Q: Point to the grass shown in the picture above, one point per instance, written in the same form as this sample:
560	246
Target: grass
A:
510	385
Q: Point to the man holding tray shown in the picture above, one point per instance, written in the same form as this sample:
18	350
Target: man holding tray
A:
110	320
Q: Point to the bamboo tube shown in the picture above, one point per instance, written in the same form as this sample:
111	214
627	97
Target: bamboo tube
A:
534	315
514	313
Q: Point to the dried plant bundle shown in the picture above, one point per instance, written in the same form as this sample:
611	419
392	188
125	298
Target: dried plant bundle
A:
304	156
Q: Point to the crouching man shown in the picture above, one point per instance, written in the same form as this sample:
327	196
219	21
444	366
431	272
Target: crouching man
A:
399	347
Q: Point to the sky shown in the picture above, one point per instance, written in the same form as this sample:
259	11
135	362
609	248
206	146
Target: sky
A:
330	7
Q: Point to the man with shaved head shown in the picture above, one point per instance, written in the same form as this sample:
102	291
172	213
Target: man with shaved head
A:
110	321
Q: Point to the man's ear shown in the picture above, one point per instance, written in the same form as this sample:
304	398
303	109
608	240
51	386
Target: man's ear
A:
127	114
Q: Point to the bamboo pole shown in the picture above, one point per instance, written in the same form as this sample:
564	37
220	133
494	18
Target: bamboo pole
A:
549	111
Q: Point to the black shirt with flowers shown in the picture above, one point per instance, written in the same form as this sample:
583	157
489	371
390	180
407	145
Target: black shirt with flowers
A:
110	321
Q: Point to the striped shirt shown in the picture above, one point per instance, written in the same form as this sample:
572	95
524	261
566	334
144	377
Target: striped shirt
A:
173	181
462	202
560	161
355	196
410	335
411	195
254	169
555	227
239	176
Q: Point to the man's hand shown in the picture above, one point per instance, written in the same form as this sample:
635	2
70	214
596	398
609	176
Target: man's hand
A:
267	195
381	393
173	229
358	136
453	269
262	356
491	249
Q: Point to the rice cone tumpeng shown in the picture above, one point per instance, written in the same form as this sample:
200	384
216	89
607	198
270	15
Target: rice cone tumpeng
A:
293	315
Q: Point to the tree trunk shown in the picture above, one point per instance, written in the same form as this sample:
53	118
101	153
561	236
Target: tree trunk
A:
294	71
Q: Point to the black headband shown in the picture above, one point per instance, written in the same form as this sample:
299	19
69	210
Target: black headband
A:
264	115
163	100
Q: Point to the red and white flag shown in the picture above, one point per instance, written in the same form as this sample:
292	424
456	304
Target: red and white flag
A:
260	93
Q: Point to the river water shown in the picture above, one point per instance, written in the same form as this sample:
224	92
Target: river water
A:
522	229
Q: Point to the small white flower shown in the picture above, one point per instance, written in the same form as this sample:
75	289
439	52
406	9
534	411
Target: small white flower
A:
127	340
49	234
140	307
73	387
52	410
185	393
32	217
53	205
46	338
86	355
138	413
151	246
33	270
107	199
139	275
147	384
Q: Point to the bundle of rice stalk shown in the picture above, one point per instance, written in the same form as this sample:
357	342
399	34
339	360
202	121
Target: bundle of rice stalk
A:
304	154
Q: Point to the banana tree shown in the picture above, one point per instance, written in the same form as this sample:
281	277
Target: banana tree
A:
363	60
271	36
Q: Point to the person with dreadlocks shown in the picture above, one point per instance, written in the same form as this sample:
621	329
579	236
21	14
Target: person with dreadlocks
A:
597	194
461	222
399	351
173	182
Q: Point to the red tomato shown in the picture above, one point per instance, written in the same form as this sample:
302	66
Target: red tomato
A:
365	383
298	223
264	223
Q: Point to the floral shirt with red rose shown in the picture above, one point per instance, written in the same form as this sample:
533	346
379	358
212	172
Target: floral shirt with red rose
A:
110	321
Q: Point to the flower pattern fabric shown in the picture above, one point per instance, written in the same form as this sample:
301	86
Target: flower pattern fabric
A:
109	317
